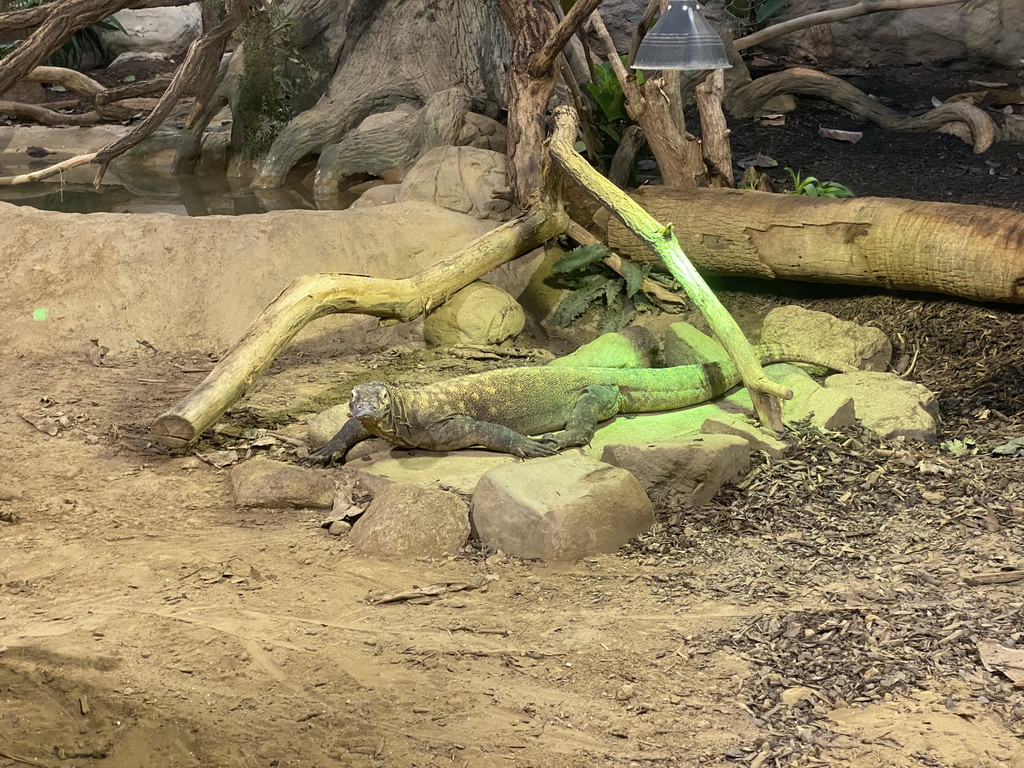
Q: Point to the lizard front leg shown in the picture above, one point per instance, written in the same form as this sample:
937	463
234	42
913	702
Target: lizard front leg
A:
335	449
595	404
464	432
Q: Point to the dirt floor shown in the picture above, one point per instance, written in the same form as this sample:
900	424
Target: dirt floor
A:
831	610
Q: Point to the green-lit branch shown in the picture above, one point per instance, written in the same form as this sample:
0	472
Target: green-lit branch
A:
659	238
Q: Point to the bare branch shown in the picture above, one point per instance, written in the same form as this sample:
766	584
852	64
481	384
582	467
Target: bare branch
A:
202	54
45	173
862	8
35	16
45	116
544	59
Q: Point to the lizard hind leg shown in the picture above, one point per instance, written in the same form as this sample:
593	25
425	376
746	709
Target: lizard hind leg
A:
595	404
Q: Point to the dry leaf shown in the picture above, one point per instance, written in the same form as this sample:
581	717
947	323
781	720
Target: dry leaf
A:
96	354
757	161
44	424
974	97
1007	97
834	133
219	459
996	657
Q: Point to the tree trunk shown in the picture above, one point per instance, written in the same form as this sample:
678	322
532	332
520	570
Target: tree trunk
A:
388	52
963	250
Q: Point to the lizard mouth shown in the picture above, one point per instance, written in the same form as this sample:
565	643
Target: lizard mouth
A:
361	410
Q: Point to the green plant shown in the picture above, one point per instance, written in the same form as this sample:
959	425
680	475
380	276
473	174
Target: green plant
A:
754	14
274	79
71	54
811	187
592	282
607	92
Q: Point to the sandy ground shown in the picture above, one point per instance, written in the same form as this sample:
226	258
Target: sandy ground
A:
145	620
826	613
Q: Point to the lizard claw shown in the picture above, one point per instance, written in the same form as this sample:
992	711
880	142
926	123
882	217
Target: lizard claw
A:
532	449
316	459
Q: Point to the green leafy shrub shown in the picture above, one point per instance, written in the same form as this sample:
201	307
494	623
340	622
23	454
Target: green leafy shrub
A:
607	92
593	283
754	14
811	187
274	80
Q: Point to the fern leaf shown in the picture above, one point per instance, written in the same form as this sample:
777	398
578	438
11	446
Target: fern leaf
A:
634	275
581	258
614	316
579	300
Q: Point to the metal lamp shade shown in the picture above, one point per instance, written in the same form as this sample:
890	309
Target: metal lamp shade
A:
682	39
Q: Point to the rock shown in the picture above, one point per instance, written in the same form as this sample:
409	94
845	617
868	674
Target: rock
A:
825	408
759	440
632	348
798	694
820	333
326	424
154	30
338	527
483	132
689	472
130	58
103	287
460	179
559	508
412	521
480	313
265	483
685	345
381	194
890	406
625	693
457	471
9	492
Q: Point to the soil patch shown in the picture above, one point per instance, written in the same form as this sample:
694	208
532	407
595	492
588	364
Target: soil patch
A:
828	611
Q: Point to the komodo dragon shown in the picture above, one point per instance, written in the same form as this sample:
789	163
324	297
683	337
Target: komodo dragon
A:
500	409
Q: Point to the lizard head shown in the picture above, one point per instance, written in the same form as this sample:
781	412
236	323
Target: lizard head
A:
371	404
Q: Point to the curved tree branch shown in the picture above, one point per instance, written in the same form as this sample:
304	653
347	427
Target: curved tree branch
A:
44	116
313	296
862	8
33	17
763	391
961	118
45	173
62	20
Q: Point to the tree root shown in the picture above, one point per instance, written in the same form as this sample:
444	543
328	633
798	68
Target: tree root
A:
960	118
397	144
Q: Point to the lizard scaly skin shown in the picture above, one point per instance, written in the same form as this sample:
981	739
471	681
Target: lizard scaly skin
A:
501	409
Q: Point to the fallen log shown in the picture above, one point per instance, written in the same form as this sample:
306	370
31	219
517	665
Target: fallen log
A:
970	251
